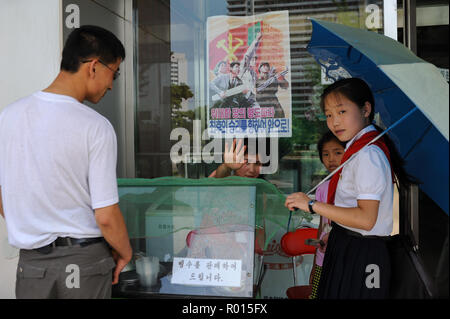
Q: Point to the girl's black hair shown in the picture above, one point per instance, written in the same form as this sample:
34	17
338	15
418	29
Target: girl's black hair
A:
327	137
357	91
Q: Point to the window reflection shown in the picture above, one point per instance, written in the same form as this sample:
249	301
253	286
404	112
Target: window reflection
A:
173	80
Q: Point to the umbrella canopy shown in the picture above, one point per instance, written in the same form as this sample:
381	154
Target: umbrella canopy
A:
400	82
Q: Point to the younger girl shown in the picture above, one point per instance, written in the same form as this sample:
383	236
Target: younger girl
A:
331	151
360	197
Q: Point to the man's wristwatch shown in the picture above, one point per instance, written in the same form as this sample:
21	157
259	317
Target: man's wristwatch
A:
310	206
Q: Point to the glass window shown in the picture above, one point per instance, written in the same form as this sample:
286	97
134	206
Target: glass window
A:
186	241
199	237
174	71
173	81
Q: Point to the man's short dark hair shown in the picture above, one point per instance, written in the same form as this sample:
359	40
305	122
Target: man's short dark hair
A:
90	41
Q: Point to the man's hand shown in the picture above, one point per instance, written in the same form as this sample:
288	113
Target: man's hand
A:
120	264
112	225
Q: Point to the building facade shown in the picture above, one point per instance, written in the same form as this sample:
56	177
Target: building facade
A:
166	44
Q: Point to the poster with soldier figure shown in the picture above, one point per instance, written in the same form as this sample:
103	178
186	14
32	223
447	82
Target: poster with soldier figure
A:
249	78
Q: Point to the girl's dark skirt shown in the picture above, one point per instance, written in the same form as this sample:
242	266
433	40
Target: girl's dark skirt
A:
354	267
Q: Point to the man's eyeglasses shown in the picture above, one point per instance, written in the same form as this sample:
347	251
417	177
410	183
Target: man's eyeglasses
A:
116	72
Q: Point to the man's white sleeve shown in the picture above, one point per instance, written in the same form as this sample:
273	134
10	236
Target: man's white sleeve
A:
102	168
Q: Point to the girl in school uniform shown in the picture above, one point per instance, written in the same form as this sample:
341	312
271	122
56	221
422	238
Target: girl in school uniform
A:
331	151
360	197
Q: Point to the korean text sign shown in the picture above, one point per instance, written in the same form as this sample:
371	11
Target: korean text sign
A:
207	272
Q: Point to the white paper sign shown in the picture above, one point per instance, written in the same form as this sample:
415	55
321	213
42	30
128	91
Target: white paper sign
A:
207	272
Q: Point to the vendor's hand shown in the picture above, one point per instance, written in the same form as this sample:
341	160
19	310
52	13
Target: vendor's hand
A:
325	240
234	155
297	200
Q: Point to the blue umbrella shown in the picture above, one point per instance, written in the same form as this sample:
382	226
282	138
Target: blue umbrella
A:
400	82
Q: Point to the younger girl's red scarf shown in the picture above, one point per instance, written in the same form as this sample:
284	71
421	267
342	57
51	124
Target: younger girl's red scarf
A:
355	147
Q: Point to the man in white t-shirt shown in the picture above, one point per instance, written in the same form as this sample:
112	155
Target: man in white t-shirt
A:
58	186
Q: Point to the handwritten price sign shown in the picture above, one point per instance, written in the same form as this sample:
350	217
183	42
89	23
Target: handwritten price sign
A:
207	272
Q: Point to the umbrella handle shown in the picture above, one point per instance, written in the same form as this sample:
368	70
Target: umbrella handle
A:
289	221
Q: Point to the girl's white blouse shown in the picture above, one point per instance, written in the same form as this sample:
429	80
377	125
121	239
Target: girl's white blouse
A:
368	177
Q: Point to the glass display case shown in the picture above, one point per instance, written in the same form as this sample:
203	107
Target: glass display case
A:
202	237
